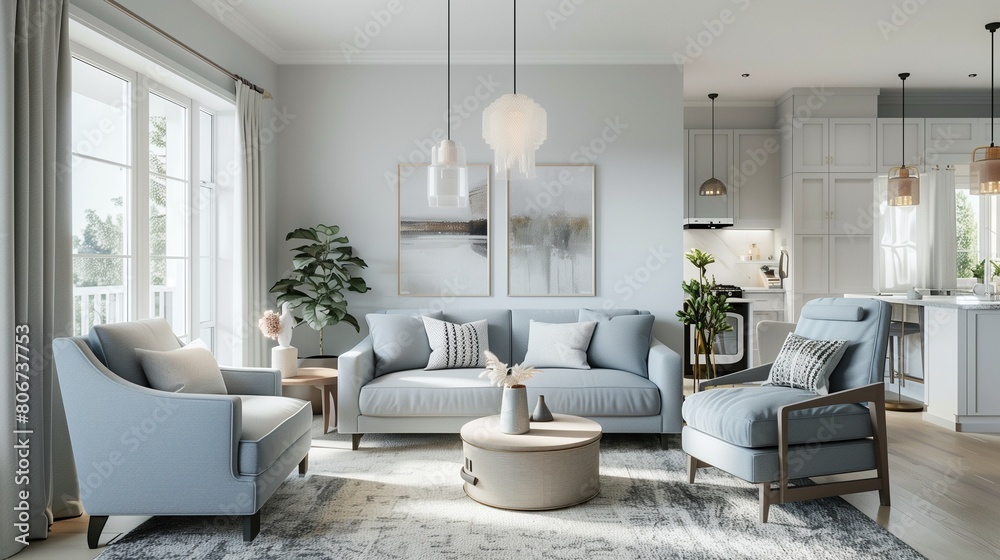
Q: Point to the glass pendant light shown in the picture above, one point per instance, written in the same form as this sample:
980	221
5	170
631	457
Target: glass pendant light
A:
904	181
985	172
514	126
447	176
713	186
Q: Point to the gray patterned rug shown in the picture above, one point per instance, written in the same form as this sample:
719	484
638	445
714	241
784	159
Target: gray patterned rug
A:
400	497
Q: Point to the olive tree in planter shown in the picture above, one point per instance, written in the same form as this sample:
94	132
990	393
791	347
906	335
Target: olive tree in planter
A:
324	269
705	311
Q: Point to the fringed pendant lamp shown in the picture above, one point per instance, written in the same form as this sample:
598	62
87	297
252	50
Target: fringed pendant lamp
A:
904	181
447	175
713	186
985	172
514	126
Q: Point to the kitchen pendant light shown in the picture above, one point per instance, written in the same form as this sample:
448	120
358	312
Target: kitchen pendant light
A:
985	173
713	186
514	126
904	181
447	175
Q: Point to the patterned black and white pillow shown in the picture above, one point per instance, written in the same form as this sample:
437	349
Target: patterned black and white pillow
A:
804	363
456	346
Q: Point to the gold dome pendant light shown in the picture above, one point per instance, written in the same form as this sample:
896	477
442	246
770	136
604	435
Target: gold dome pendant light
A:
713	186
985	173
447	175
904	181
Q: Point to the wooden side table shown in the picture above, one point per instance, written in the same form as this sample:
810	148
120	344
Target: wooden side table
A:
324	379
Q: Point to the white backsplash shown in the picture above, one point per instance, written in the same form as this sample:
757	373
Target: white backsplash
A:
727	245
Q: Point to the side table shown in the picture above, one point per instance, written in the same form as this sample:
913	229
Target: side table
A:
324	379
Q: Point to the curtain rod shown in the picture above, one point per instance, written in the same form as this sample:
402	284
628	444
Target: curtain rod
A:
179	43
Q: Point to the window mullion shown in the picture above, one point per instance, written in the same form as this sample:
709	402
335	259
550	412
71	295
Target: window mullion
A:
140	286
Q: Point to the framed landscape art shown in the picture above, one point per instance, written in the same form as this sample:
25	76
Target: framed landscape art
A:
550	232
443	251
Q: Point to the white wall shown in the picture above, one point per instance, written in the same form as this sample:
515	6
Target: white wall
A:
353	124
727	246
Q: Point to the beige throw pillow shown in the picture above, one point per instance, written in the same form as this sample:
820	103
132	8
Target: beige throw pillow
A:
191	369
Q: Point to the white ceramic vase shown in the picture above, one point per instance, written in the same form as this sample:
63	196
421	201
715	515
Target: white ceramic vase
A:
285	358
514	410
285	325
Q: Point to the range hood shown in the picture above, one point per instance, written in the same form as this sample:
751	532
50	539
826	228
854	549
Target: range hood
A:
708	223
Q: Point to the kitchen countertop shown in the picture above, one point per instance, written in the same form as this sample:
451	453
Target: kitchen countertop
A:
970	302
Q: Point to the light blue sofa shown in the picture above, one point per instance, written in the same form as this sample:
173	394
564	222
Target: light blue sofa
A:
441	401
139	451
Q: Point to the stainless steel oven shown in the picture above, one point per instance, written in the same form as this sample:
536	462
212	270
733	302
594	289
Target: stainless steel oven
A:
732	348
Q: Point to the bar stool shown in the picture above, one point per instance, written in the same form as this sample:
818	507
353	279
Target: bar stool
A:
898	330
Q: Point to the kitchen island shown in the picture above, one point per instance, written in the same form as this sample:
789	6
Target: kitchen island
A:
961	341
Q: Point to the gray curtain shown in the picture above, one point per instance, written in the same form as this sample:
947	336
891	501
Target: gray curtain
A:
36	284
250	196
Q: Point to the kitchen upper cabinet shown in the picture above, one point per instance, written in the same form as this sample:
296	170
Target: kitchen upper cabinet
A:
984	128
833	203
699	170
757	178
891	134
950	136
834	145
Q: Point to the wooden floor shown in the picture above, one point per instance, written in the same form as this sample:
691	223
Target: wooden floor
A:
945	497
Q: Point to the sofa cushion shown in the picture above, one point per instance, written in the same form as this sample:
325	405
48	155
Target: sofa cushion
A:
270	426
399	341
456	346
620	341
115	345
748	417
460	392
559	345
497	320
191	369
520	320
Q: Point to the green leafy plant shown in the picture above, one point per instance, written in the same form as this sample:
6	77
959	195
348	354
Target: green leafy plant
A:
324	269
977	271
705	311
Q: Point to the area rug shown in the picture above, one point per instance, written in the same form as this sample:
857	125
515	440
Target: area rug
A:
400	497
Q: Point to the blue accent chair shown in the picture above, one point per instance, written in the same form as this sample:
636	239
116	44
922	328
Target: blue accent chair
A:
769	435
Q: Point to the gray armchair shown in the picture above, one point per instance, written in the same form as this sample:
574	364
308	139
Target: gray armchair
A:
140	451
767	435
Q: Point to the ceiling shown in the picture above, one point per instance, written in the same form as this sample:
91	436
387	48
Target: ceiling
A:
780	43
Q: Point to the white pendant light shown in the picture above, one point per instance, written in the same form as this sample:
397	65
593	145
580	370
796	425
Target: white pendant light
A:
447	176
904	181
713	186
514	126
985	173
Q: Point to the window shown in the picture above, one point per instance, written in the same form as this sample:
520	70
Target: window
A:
975	218
143	201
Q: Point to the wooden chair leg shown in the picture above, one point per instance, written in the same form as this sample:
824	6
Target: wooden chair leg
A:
94	529
251	526
693	465
304	465
355	441
765	500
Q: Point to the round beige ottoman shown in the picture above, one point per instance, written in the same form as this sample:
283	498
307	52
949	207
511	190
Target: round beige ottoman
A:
555	465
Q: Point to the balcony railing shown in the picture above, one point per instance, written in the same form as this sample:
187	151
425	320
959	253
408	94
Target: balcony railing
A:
100	305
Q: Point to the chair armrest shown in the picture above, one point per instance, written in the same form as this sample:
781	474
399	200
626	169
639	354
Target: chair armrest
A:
252	381
665	371
356	367
751	375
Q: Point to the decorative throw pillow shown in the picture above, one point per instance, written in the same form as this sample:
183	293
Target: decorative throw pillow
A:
456	346
620	341
190	369
559	345
399	341
804	363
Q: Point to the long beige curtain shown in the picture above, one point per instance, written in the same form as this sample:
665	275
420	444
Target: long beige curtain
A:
252	296
38	482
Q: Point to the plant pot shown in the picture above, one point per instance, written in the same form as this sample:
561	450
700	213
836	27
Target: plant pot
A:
514	418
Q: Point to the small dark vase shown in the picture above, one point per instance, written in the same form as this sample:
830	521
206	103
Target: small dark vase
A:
541	413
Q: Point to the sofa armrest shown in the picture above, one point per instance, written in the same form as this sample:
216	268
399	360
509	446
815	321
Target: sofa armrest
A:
252	381
751	375
665	371
356	368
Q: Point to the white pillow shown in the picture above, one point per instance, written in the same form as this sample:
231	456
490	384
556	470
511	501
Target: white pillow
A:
559	345
456	346
191	369
804	363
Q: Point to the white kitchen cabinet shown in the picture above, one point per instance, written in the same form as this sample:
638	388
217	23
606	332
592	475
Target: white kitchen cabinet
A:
833	203
842	145
984	128
851	265
811	264
950	136
891	136
757	178
984	354
699	169
811	202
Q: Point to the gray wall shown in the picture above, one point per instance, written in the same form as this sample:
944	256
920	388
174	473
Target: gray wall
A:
752	116
353	124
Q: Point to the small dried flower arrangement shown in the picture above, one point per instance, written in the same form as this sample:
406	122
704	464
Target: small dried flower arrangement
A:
500	375
270	324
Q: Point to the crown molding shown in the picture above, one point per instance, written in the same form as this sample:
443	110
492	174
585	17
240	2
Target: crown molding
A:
227	15
346	56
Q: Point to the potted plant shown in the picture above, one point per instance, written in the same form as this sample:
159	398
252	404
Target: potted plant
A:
324	268
978	270
705	311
